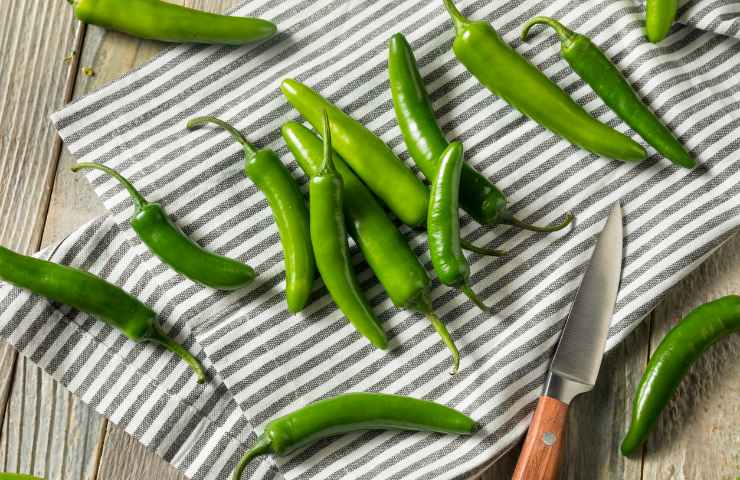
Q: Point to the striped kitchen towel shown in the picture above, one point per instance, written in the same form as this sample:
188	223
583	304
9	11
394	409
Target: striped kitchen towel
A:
265	362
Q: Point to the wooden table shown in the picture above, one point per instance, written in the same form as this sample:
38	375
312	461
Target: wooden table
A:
47	431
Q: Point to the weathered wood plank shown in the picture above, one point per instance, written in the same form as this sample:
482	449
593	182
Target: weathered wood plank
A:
35	36
125	458
697	437
48	432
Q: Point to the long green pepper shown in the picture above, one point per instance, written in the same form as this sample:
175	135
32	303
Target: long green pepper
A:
590	63
425	142
443	225
680	348
507	74
284	196
165	240
385	249
329	239
93	295
167	22
17	476
659	17
353	412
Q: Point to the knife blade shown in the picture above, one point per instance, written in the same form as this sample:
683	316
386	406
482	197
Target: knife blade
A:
577	359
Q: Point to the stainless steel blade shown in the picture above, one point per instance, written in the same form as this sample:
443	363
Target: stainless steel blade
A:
578	355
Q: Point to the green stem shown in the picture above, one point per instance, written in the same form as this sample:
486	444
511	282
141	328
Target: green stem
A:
457	18
534	228
566	35
249	150
158	336
262	446
474	298
139	201
482	250
441	329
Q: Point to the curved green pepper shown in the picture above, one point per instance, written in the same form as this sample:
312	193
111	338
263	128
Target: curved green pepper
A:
426	142
659	17
444	224
93	295
167	22
284	196
352	412
385	249
590	63
329	239
683	346
507	74
173	247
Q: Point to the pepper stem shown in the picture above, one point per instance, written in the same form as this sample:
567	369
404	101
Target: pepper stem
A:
534	228
474	298
565	34
262	446
249	150
441	329
490	252
158	336
457	18
138	199
328	163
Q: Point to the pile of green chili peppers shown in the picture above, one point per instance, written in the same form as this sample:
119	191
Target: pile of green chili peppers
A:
353	177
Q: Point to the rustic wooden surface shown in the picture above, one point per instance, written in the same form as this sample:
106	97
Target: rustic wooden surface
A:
46	431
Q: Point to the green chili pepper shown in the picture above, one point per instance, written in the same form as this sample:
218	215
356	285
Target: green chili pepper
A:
659	17
92	295
382	245
426	142
507	74
370	159
17	476
173	247
590	63
158	20
329	239
443	224
289	209
353	412
683	345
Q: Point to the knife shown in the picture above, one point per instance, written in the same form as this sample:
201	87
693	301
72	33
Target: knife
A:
577	359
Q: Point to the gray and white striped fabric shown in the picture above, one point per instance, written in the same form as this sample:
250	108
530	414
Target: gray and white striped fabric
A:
265	362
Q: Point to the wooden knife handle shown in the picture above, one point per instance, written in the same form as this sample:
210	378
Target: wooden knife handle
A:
543	448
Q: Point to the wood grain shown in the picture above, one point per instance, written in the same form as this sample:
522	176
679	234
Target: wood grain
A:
125	458
48	432
35	37
544	445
